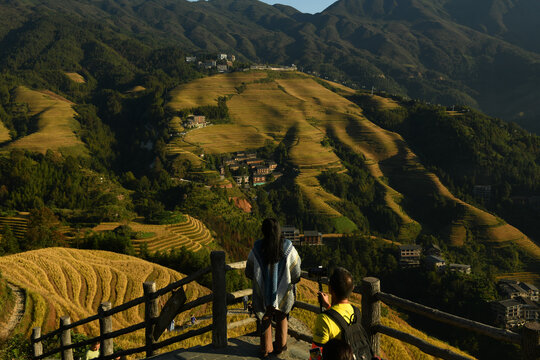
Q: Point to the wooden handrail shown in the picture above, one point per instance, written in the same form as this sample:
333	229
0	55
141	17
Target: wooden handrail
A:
441	316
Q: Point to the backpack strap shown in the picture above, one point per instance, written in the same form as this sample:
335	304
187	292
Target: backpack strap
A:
338	319
343	324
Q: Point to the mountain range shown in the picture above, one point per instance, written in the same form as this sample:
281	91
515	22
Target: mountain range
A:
483	53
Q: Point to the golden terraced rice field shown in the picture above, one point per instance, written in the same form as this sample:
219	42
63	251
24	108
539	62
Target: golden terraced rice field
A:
61	281
192	234
302	111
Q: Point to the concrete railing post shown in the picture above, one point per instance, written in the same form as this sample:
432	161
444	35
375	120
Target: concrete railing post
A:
530	341
151	313
371	310
37	346
219	305
105	327
65	338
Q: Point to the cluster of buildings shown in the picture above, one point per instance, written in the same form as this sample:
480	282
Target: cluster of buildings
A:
293	67
520	306
248	169
309	237
412	255
222	62
195	122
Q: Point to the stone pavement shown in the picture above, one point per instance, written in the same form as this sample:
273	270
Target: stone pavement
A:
241	348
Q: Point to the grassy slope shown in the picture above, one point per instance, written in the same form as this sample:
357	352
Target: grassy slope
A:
62	281
76	77
303	110
56	124
392	349
4	133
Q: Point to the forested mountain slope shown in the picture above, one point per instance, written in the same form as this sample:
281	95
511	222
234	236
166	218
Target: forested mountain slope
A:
482	54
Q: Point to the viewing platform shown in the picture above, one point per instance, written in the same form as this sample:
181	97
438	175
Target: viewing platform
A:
242	348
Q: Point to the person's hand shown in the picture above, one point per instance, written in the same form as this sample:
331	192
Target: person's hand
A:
323	299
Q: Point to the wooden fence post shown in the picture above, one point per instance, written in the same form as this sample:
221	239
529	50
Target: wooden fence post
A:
530	341
105	327
37	346
371	310
219	305
65	338
151	313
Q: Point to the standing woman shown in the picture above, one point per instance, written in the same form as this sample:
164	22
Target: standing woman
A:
273	265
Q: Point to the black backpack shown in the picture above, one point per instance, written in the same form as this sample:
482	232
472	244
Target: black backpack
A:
353	333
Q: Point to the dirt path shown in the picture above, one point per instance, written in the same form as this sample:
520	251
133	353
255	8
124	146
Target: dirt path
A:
16	313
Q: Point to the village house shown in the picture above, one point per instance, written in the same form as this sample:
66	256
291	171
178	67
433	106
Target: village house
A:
259	180
409	255
531	290
272	165
434	262
312	237
462	268
222	57
241	180
262	170
254	162
191	58
507	313
195	121
433	250
291	233
222	68
530	310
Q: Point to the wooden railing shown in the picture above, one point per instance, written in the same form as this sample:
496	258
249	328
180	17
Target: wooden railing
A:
219	298
372	296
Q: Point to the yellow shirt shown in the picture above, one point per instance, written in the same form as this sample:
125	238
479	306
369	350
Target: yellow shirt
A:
326	328
91	354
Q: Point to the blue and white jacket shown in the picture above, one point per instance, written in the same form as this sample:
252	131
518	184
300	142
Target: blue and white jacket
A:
273	284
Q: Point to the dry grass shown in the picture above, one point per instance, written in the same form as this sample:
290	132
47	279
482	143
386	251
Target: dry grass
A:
63	281
56	124
76	77
385	103
218	139
4	133
205	91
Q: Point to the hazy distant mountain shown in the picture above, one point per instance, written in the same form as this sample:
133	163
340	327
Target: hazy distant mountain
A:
483	53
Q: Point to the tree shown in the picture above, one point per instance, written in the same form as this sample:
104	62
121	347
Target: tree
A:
8	241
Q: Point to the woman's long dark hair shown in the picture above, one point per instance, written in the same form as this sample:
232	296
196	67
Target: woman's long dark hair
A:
272	249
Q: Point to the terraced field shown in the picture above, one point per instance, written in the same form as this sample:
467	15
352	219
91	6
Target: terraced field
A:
56	124
192	235
529	277
18	224
60	281
300	112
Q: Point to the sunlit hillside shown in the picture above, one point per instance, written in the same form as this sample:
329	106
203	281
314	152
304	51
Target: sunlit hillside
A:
55	124
302	111
61	281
